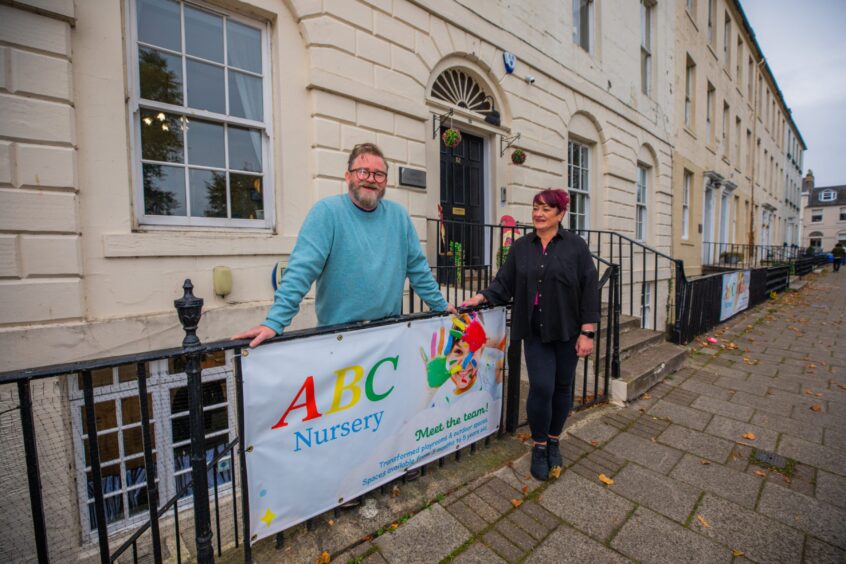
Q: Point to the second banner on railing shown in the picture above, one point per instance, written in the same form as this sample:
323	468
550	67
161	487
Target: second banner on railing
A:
330	417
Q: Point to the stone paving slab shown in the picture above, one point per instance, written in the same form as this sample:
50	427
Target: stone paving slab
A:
767	403
502	546
693	418
700	444
788	426
724	408
431	535
698	386
667	496
734	430
823	457
568	546
831	488
835	439
759	538
721	480
658	457
816	518
478	554
649	537
818	552
588	506
743	384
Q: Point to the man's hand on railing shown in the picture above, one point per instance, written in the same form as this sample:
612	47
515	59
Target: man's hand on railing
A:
258	334
476	300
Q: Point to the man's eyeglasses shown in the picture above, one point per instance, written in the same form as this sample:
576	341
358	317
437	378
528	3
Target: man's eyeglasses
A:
364	174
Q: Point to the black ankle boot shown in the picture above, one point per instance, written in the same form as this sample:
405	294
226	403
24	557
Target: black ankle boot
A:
540	464
553	454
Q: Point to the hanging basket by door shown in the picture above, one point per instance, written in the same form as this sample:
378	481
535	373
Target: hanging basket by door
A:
518	157
451	138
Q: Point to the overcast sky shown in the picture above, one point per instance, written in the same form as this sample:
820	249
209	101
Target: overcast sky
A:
804	45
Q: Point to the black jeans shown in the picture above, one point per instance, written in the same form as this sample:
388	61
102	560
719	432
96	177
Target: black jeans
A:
837	262
552	368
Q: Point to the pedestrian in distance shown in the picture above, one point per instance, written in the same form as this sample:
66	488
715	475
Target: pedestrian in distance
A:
838	252
359	249
552	279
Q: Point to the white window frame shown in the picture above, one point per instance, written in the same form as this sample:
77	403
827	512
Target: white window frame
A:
712	15
710	100
582	191
646	41
687	180
266	126
641	203
588	19
689	87
727	42
828	196
816	216
159	385
842	214
726	131
646	305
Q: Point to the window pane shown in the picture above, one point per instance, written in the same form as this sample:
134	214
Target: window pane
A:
108	445
213	360
205	87
247	200
203	34
205	144
244	46
214	392
131	409
137	499
245	149
129	372
216	420
105	416
160	76
245	96
133	442
100	377
208	193
161	136
158	23
164	190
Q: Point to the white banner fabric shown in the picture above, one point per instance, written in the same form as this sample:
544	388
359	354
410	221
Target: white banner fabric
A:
330	417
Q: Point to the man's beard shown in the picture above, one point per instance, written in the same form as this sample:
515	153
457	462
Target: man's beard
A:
364	198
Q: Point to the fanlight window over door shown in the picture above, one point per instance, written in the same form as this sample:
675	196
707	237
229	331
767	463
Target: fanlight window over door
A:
459	88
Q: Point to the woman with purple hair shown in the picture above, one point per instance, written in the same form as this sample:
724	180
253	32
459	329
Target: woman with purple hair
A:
551	277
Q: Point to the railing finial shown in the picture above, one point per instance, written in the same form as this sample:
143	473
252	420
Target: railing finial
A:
190	309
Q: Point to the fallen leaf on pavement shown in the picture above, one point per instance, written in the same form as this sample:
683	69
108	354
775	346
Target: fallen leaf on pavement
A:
731	346
605	479
652	439
760	473
555	472
395	491
524	436
812	365
818	394
594	442
394	526
750	436
736	553
816	407
705	462
516	502
843	386
809	392
645	396
324	558
525	490
703	522
331	522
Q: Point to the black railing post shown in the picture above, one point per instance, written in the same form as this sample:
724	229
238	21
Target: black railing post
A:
512	413
96	473
242	461
149	464
617	283
33	473
190	309
680	292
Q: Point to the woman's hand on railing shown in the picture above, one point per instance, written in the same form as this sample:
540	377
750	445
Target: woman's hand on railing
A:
476	300
258	334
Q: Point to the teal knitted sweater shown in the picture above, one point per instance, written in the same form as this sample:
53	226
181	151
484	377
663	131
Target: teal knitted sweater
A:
360	261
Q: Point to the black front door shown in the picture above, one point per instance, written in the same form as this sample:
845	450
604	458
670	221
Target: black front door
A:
462	206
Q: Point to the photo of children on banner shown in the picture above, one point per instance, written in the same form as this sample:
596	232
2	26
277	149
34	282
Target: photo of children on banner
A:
463	358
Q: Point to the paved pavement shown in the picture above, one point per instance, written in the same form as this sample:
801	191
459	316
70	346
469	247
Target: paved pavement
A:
684	483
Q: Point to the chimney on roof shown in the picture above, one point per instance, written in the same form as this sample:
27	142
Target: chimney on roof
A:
808	181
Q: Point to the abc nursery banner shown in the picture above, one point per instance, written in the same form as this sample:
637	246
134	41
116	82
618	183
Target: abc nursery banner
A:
735	294
330	417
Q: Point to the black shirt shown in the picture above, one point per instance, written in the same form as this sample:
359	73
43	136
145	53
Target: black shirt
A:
564	279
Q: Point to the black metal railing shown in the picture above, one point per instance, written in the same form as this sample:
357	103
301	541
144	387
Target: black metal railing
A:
737	255
146	540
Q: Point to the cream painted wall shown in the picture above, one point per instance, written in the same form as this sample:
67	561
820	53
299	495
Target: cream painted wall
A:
341	74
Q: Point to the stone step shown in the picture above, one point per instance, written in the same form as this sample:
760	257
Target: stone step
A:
633	341
644	370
